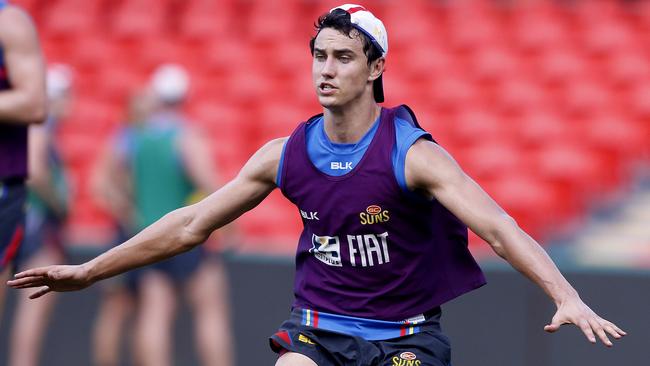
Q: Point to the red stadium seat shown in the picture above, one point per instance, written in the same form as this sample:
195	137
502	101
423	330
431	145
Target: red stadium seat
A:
452	93
606	39
626	69
226	55
576	174
93	117
537	34
469	30
206	20
263	26
486	162
94	52
585	98
492	64
560	66
135	19
639	102
273	227
531	202
517	96
119	82
617	139
73	18
473	125
542	127
150	53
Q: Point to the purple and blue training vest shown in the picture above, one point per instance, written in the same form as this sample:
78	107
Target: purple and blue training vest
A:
367	249
13	138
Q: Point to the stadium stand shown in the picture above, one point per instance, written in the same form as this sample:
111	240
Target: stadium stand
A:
546	103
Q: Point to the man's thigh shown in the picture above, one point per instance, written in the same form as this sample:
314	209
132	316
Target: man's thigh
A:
294	359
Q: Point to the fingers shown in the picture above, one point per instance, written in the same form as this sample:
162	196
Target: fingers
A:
42	291
598	328
612	329
615	328
553	327
556	323
32	272
585	326
25	282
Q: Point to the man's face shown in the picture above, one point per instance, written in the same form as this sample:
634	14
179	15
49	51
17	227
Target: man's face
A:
340	71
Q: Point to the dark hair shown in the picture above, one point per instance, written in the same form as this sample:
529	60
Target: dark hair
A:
339	19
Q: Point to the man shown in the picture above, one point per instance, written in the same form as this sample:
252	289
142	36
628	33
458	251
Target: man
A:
46	212
22	102
384	244
157	164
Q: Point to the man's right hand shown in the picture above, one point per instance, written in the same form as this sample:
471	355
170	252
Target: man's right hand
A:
60	278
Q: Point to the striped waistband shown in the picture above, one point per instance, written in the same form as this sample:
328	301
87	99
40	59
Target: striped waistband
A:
369	329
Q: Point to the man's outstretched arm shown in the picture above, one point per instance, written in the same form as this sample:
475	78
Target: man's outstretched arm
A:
430	169
176	232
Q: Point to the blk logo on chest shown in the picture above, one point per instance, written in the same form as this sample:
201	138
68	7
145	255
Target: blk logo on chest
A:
341	165
311	215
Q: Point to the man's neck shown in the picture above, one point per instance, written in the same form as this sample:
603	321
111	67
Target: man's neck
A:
348	125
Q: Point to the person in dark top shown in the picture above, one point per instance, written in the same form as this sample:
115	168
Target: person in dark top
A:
22	102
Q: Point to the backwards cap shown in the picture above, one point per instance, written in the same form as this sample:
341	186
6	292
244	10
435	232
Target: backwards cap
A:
365	22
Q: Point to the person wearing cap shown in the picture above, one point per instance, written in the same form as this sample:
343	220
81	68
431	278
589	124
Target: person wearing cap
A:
47	207
158	163
22	103
385	212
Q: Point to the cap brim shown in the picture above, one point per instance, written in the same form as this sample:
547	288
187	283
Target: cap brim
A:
378	89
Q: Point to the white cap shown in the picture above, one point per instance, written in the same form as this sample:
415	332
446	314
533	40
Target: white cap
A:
59	80
366	22
170	83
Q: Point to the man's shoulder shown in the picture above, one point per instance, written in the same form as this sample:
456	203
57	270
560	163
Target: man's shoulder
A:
15	25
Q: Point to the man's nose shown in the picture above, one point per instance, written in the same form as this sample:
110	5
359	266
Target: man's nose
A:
329	68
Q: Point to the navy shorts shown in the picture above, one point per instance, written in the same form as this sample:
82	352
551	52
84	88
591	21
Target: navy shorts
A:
42	228
12	221
429	347
178	269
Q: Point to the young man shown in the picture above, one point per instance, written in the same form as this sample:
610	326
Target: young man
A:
384	211
158	163
22	102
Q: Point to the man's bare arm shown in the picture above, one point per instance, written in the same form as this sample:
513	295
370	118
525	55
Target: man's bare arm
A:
176	232
25	102
432	170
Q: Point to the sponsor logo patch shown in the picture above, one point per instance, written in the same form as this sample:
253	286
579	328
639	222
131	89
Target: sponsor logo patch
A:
304	339
326	249
373	215
406	359
408	356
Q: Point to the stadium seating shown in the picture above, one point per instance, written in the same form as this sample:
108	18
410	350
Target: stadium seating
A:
546	103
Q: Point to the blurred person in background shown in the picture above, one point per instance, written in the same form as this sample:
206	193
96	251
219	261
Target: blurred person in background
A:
46	211
112	189
385	220
157	164
22	102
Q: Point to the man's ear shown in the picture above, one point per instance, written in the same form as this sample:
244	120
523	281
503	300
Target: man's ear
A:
377	68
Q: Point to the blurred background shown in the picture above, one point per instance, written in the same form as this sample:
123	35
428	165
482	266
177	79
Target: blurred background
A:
545	103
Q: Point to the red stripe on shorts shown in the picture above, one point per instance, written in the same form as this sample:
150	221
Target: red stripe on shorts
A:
14	244
315	320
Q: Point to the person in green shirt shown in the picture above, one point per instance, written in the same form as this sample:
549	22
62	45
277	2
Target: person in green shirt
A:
157	164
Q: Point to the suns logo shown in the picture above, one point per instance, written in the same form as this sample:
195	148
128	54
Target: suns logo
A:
406	359
373	215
